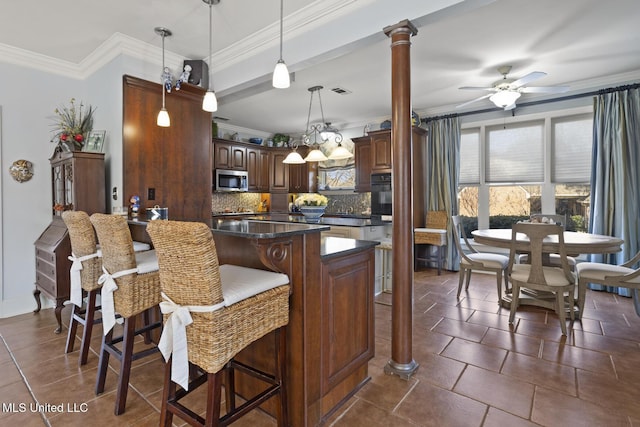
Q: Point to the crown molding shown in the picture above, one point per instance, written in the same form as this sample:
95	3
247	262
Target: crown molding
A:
310	17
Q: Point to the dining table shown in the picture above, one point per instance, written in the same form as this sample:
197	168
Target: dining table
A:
575	243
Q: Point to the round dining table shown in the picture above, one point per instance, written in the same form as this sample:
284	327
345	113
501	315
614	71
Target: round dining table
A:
575	243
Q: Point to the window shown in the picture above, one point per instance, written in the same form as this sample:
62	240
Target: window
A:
533	164
572	143
337	179
470	156
515	154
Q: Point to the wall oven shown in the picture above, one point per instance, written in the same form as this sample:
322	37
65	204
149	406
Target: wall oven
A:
230	181
381	196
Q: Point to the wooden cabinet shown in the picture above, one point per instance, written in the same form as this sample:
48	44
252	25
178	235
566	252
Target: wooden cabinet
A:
278	171
380	151
258	169
78	183
347	299
303	178
362	153
229	156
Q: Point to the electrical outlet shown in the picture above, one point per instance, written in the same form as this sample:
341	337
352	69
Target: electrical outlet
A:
151	194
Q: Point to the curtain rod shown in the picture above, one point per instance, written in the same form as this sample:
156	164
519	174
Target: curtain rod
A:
543	101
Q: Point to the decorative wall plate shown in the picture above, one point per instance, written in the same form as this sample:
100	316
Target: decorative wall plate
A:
21	170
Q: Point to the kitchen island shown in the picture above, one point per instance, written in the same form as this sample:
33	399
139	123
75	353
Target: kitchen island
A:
330	335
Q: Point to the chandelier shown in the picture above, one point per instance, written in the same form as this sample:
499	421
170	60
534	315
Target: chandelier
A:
318	134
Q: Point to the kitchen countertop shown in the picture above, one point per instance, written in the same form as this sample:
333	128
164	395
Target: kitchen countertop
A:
325	220
340	246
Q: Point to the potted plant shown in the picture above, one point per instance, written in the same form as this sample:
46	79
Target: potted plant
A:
72	125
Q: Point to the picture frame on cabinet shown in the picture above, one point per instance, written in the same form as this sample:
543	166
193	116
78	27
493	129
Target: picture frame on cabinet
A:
95	141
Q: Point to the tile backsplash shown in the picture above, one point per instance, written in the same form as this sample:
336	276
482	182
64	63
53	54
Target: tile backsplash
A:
351	203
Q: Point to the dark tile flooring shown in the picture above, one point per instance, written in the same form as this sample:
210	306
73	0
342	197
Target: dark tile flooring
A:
475	370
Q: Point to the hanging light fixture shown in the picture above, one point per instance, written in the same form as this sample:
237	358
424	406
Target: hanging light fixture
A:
322	130
281	73
210	102
504	98
163	119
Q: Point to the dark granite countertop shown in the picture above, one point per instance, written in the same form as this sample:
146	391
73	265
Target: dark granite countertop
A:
325	220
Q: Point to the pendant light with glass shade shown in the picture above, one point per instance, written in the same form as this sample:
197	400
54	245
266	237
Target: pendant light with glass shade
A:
163	119
281	73
210	102
323	130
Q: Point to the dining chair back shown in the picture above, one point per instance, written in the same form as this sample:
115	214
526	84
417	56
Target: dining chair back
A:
471	259
536	276
625	275
554	259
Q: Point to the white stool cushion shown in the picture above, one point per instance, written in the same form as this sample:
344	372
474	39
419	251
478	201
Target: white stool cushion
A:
597	271
137	247
487	260
239	283
146	262
553	275
430	230
385	244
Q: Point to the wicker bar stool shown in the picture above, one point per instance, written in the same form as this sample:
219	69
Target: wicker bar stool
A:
130	286
214	311
433	235
85	271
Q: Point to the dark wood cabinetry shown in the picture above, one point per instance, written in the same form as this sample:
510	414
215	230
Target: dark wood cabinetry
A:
258	169
373	155
229	156
78	183
362	154
278	171
303	178
380	151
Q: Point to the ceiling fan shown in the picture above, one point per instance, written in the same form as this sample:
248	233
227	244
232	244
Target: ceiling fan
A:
505	92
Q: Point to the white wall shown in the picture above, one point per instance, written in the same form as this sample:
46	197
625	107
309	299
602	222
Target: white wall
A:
27	103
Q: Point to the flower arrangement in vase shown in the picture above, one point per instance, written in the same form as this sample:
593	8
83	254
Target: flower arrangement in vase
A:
312	206
72	125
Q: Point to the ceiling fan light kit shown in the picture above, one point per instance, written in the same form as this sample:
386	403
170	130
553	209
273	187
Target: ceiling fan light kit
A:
507	91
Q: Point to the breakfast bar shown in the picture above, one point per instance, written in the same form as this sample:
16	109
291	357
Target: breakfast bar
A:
330	335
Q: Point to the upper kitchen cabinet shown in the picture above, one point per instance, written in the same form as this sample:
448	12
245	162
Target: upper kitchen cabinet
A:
228	155
362	153
380	151
258	169
303	178
278	171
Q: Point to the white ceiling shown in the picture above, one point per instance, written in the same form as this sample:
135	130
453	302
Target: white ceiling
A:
584	44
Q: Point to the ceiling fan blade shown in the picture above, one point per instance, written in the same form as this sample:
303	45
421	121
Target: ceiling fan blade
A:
545	89
473	100
527	79
476	88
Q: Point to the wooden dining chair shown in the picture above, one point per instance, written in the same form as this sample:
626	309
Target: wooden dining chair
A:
557	219
471	259
622	276
559	281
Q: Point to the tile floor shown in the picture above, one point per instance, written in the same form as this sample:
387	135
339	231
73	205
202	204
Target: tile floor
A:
475	370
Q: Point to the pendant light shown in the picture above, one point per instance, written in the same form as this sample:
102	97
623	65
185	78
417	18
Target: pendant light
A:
210	102
163	119
323	130
281	73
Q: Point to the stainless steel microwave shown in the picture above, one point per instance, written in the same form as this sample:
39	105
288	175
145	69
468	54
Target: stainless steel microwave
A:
230	180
